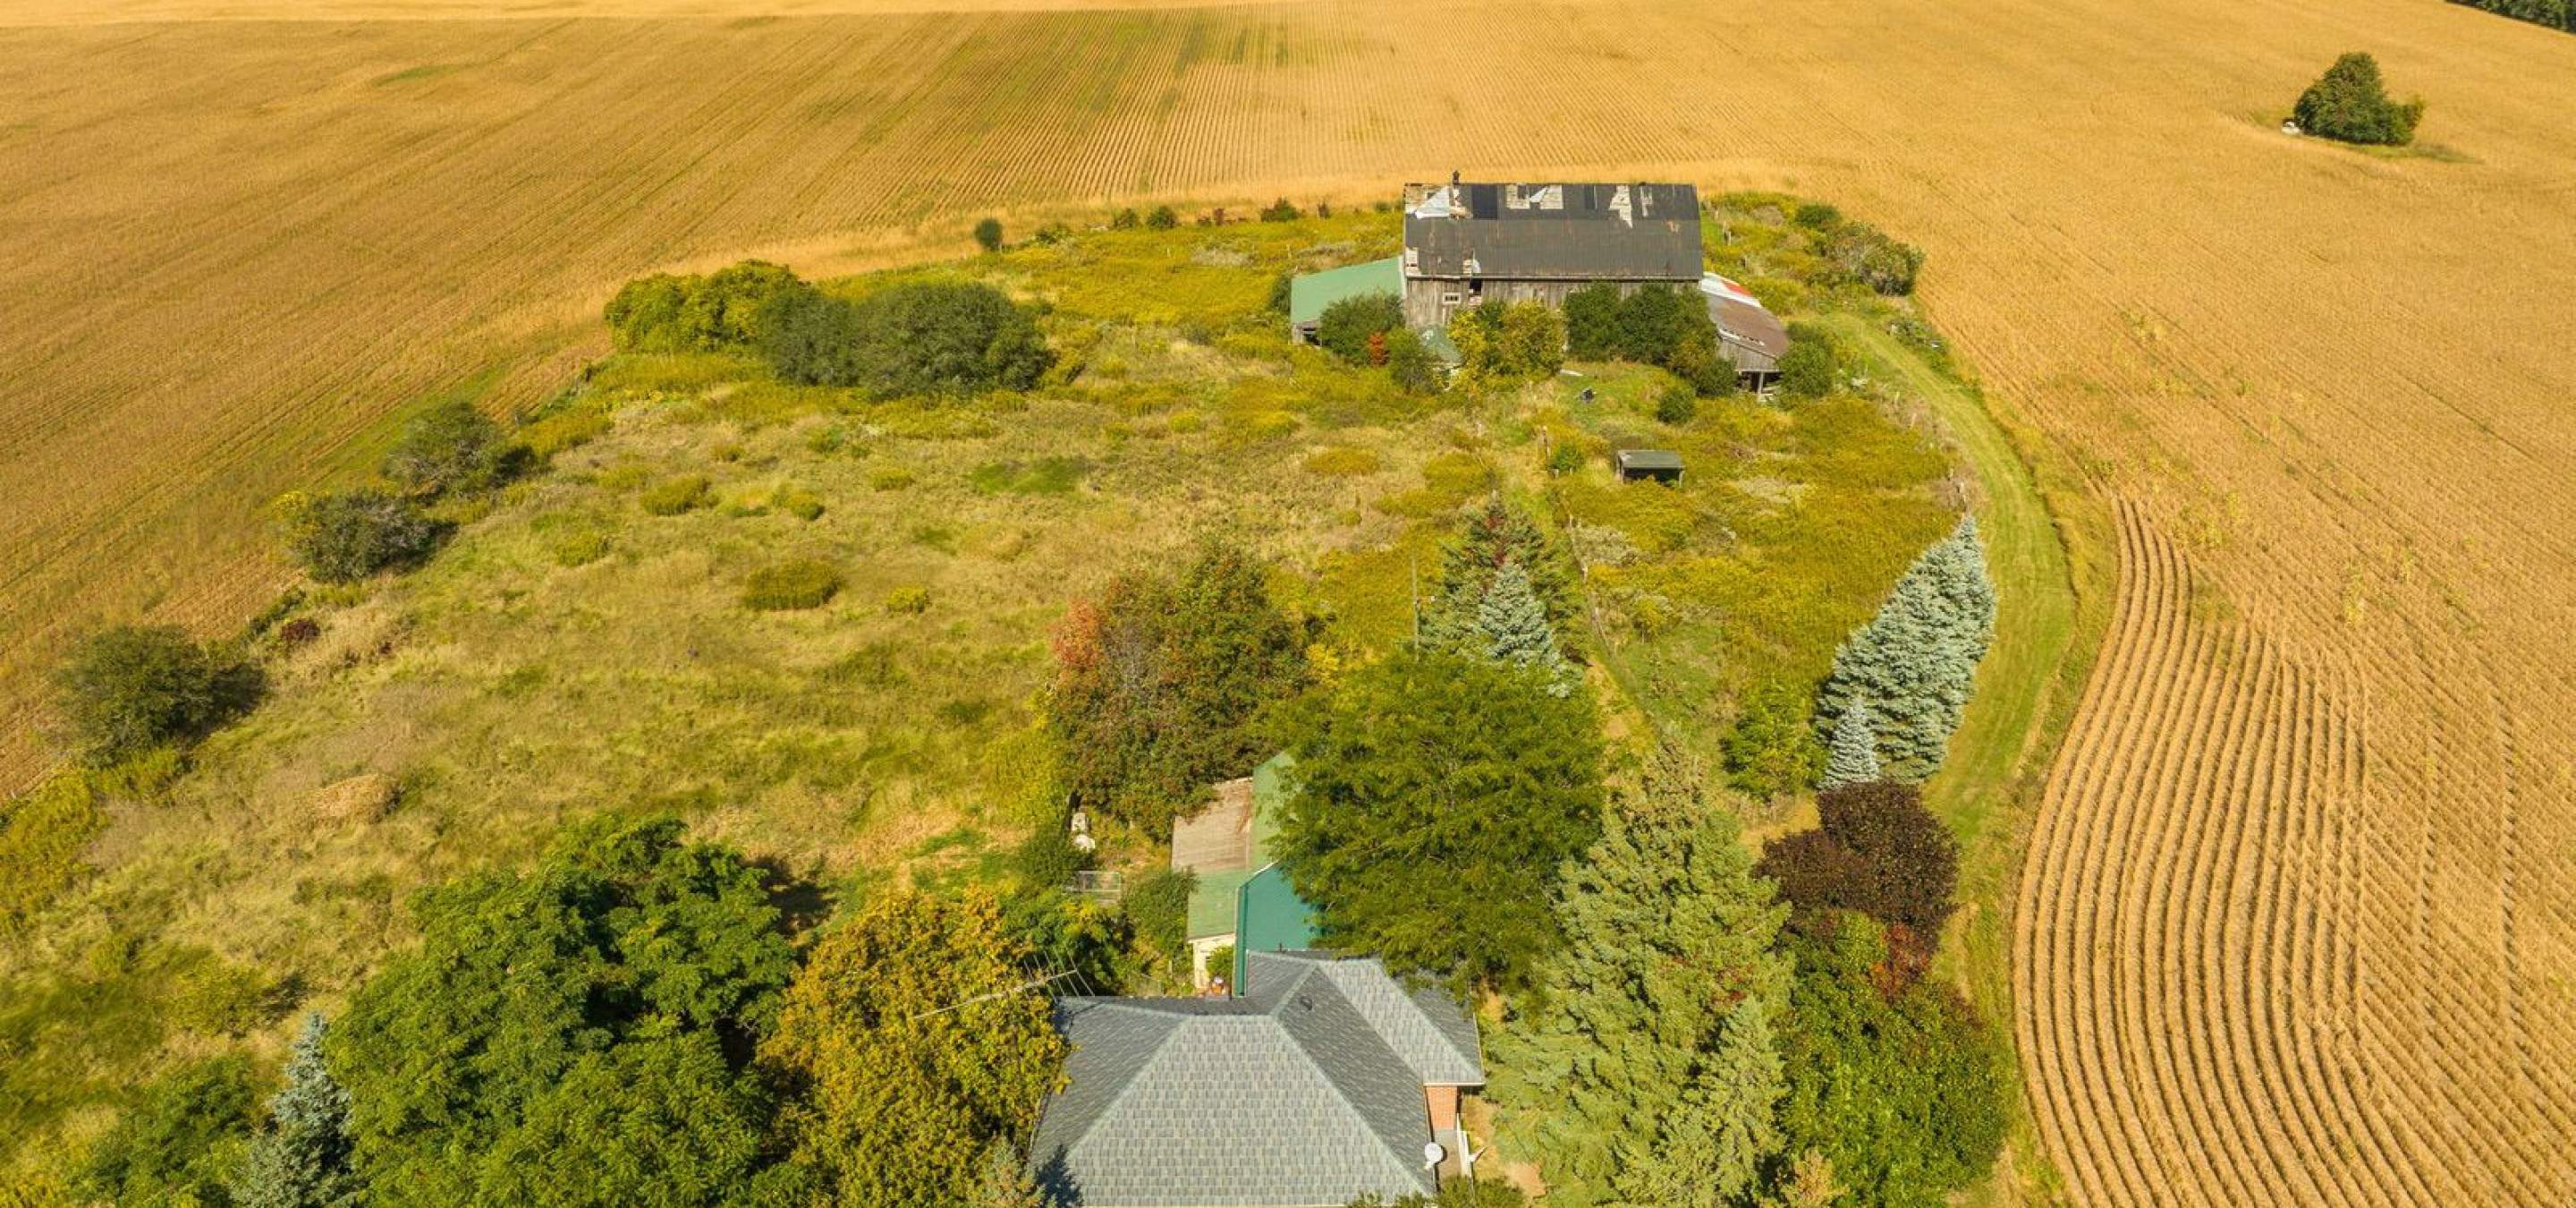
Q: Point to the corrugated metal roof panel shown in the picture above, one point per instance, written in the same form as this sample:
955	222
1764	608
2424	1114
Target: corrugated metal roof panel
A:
1308	295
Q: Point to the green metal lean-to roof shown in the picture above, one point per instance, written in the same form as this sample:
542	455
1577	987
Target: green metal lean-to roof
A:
1308	295
1270	917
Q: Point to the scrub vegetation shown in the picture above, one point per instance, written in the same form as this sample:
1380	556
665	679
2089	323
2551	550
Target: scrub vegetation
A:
722	655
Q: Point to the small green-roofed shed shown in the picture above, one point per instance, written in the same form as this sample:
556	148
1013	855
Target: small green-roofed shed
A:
1270	917
1310	293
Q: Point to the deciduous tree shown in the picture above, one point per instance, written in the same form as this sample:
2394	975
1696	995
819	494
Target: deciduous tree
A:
130	688
1164	685
527	983
1903	1094
911	1042
2350	103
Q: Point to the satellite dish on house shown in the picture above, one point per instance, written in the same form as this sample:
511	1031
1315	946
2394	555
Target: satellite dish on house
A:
1433	1154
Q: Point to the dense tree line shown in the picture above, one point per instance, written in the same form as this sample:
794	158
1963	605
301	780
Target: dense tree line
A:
2556	14
629	1023
916	338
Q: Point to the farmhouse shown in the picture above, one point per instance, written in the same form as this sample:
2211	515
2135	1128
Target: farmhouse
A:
1323	1082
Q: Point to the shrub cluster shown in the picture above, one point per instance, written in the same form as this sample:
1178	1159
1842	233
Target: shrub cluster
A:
1501	344
1875	849
1353	328
713	312
672	496
345	537
129	689
1813	366
922	337
1653	325
788	586
2350	104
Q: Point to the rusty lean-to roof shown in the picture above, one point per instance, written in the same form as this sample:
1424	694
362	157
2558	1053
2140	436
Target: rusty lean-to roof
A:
1750	327
1555	232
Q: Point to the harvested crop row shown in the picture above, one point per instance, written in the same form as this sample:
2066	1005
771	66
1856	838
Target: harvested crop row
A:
2185	959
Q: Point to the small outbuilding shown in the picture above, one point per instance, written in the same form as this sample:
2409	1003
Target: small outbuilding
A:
1661	465
1310	293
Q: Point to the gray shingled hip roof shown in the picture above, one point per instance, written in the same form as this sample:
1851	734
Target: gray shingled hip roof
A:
1556	232
1306	1091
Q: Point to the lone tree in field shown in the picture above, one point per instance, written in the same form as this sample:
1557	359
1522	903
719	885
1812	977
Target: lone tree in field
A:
1853	756
303	1160
988	234
129	689
1916	661
2350	104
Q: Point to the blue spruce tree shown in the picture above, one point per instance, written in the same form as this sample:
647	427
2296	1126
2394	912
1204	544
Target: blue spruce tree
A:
303	1160
1853	757
1512	623
1916	661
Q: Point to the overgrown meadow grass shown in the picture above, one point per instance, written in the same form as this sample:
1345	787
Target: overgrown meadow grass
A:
585	644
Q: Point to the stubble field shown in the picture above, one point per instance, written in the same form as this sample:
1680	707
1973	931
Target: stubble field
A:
2297	914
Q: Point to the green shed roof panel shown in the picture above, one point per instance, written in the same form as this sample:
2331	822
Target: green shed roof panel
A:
1270	917
1308	295
1212	902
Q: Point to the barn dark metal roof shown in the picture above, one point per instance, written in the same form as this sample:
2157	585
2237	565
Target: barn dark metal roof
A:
1563	232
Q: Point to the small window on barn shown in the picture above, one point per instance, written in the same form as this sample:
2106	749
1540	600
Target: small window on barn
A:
1449	299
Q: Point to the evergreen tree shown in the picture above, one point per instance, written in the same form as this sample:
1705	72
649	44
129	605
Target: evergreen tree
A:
1712	1148
303	1160
1916	661
1435	798
1515	630
1005	1182
1496	535
1853	758
1647	1073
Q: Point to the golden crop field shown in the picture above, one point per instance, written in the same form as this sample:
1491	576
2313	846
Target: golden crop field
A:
2297	916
